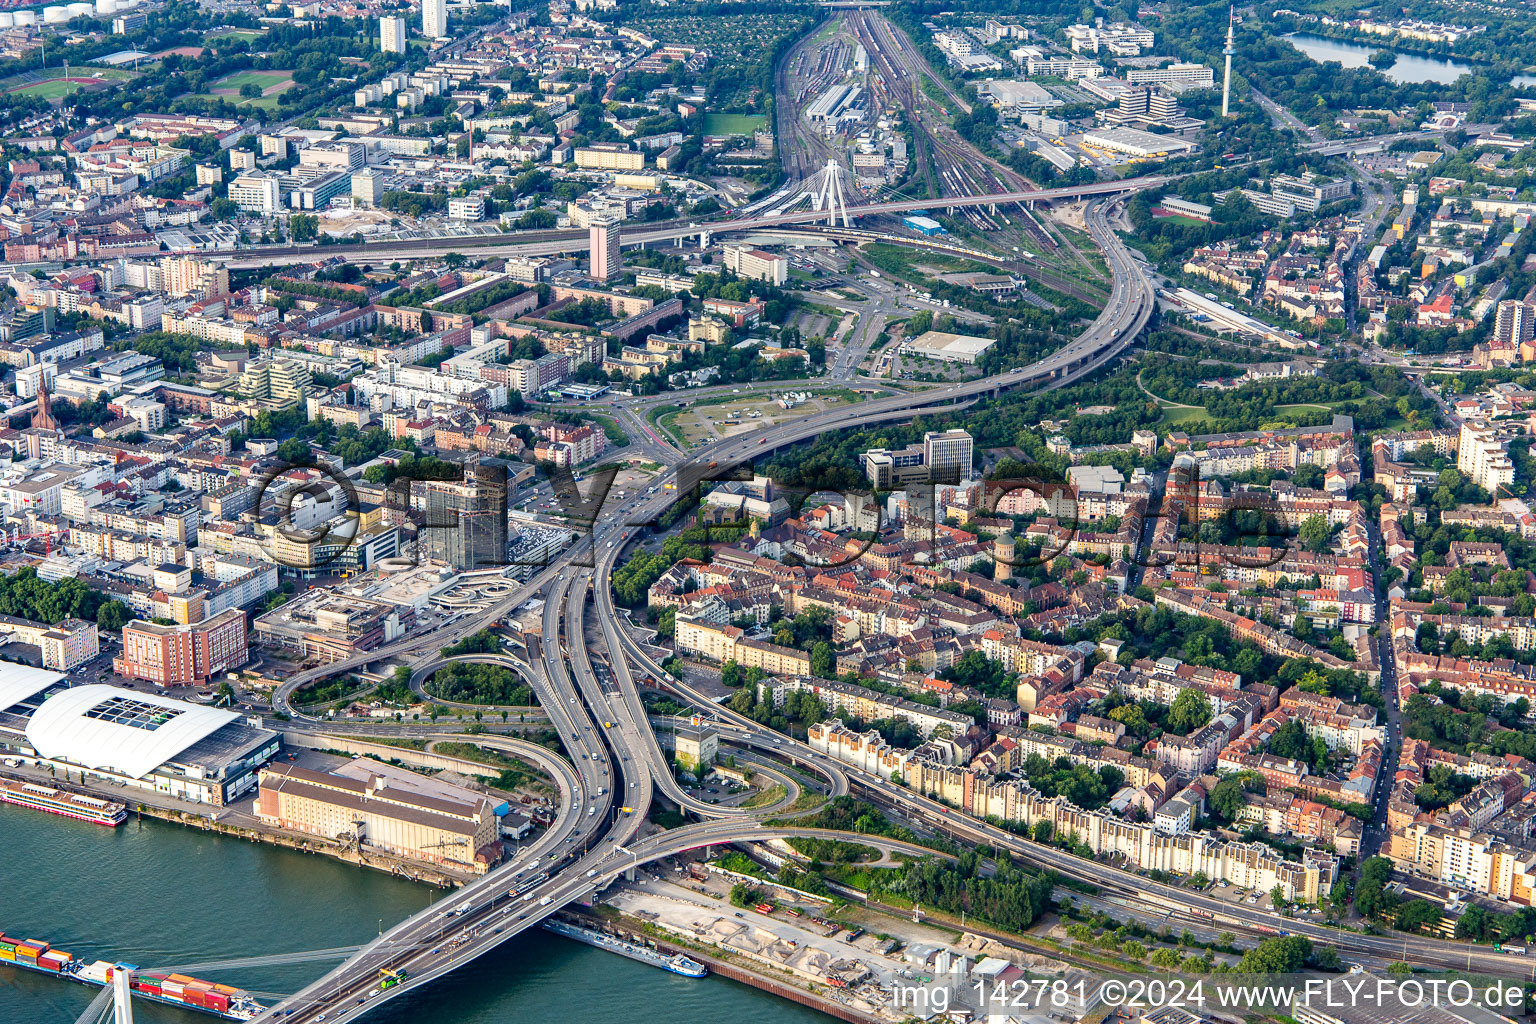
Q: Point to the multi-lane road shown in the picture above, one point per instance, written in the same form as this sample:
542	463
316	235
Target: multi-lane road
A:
618	757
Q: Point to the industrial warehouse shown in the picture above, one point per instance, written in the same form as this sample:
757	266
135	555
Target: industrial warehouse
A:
364	803
137	740
950	348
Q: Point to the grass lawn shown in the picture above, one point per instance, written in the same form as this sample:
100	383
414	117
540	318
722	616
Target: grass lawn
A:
1178	218
109	74
1309	406
49	90
733	124
264	79
1182	416
271	83
248	34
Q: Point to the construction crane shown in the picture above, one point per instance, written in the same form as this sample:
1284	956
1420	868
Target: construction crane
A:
17	537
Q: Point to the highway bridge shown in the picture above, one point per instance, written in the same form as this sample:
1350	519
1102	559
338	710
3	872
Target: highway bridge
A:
547	243
593	840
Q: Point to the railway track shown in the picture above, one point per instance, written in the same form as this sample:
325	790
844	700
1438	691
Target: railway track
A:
947	164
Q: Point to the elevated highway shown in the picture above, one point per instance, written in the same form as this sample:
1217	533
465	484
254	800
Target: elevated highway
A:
549	243
593	837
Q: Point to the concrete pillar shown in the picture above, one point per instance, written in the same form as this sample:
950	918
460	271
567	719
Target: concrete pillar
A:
122	1006
703	239
629	874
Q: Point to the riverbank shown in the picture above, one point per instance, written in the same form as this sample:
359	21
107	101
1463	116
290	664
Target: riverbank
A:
239	821
157	895
723	963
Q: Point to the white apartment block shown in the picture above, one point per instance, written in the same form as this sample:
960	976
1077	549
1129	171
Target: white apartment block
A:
467	208
1483	456
392	34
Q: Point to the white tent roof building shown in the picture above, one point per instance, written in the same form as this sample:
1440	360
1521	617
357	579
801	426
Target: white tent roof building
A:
142	740
120	730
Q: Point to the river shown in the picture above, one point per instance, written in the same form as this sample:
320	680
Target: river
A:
162	895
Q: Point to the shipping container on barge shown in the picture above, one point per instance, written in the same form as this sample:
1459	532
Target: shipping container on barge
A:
157	986
677	964
62	801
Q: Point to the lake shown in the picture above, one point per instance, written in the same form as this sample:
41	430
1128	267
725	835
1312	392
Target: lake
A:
1409	69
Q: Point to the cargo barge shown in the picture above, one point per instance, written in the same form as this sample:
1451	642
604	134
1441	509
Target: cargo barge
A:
63	802
156	986
677	964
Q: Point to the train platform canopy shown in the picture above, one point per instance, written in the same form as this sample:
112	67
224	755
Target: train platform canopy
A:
19	682
109	728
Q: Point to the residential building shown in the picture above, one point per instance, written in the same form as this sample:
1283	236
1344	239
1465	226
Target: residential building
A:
392	34
183	655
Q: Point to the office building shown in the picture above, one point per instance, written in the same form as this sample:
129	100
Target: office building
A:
605	247
947	455
392	34
257	192
1176	76
434	18
944	457
756	264
468	208
1308	193
368	186
183	655
460	522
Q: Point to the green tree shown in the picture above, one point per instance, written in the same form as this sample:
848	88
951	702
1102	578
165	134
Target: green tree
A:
1228	798
1371	896
822	662
1416	915
1191	709
112	616
303	227
1314	534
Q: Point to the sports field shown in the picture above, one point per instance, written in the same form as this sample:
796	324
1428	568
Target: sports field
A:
733	124
55	88
248	34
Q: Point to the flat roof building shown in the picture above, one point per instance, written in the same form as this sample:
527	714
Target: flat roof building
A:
378	812
950	348
1137	143
143	741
